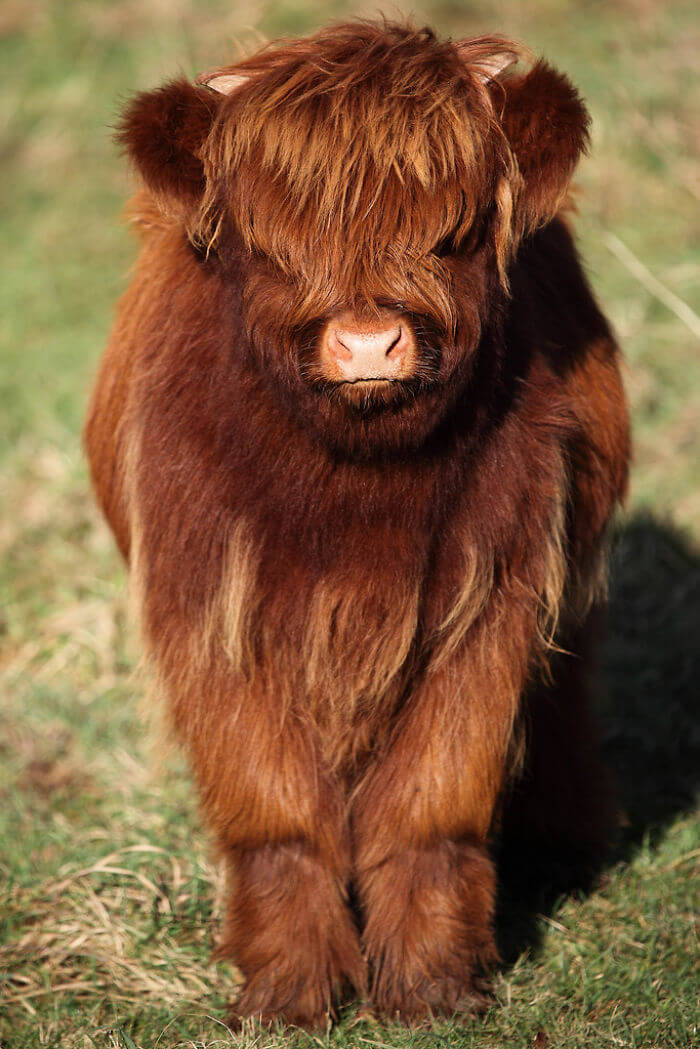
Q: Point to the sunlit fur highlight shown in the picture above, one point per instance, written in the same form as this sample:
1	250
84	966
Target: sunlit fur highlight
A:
230	620
476	582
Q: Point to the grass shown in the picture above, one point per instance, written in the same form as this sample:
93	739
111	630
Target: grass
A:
107	893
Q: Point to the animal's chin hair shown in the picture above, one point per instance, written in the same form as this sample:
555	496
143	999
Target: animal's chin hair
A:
368	398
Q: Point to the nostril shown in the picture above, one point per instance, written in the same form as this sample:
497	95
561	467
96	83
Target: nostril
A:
339	348
397	343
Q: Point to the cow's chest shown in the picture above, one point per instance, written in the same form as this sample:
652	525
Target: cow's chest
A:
341	623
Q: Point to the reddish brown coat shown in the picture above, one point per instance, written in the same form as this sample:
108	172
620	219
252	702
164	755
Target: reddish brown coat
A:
351	601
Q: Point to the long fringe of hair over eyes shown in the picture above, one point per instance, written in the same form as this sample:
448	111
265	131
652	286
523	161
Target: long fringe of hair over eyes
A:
303	151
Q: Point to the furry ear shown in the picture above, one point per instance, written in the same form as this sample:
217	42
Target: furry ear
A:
163	132
546	124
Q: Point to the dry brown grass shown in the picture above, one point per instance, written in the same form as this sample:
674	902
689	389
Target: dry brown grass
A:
87	922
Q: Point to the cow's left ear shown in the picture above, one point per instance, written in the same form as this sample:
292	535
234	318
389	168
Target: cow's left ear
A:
546	124
163	132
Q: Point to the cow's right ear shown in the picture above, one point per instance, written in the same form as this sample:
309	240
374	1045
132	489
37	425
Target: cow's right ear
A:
163	132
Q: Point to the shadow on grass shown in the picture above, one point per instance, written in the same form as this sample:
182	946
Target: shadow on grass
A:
650	668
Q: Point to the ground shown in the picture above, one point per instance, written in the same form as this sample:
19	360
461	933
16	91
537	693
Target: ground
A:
107	891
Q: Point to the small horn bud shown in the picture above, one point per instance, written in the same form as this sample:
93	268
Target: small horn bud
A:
224	83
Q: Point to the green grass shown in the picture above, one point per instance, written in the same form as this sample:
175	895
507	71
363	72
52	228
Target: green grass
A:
108	896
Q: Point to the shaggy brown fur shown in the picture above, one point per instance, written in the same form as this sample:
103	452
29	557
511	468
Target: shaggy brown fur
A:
352	596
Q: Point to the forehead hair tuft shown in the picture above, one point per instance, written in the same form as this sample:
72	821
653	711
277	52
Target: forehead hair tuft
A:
359	148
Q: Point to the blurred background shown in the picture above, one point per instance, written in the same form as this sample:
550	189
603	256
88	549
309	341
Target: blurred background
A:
107	892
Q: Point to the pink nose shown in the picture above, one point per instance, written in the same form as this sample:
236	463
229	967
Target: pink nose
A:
369	354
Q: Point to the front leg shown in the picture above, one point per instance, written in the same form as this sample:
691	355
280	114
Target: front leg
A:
290	930
279	822
266	792
421	824
428	934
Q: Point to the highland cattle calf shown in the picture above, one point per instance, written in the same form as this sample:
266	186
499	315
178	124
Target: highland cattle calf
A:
359	431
